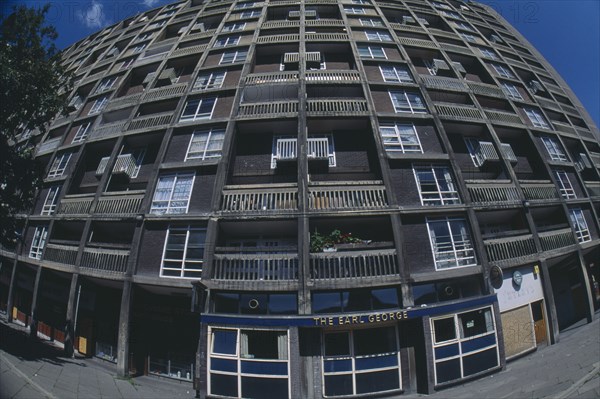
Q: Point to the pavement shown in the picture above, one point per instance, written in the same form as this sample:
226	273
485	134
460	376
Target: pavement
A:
37	369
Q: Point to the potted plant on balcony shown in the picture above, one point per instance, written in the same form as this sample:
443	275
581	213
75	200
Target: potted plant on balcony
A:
332	241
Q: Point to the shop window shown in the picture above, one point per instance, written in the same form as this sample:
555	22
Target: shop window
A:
361	362
355	300
448	290
255	303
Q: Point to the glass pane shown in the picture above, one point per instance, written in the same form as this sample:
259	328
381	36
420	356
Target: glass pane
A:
444	329
326	302
424	293
226	303
337	385
224	342
253	387
263	345
385	298
283	304
224	385
377	382
475	323
337	344
374	341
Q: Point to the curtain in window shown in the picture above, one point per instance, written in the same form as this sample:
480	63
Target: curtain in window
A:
282	347
244	345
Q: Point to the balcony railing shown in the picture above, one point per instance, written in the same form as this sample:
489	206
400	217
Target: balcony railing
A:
485	89
409	41
337	106
271	77
78	204
255	267
323	37
49	145
291	37
503	117
189	50
66	254
586	133
458	111
368	195
492	191
287	149
510	247
270	109
165	92
324	21
125	164
561	127
256	199
108	260
280	24
443	83
107	130
128	202
353	264
557	239
325	76
123	101
507	152
455	48
151	121
535	190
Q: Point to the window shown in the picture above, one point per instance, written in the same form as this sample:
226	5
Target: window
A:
404	101
206	144
378	35
39	240
248	363
98	105
451	14
536	118
554	149
395	73
211	80
371	22
240	6
106	84
184	252
371	52
464	344
82	132
360	2
467	37
139	48
361	361
580	225
268	303
172	194
234	26
486	52
564	184
198	109
59	165
250	14
127	63
51	201
227	41
450	243
503	71
354	10
229	57
400	137
463	26
76	101
355	300
143	36
435	185
511	91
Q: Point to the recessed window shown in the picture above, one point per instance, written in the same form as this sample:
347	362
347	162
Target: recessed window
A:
396	73
51	201
172	194
354	10
371	22
409	102
580	225
451	243
198	109
106	84
486	52
230	57
536	118
234	26
555	150
98	105
227	41
210	80
378	36
59	164
240	6
39	240
250	14
468	37
82	132
503	71
400	137
435	184
206	144
372	52
511	91
184	252
564	184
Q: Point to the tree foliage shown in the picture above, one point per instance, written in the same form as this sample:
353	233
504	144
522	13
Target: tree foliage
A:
31	79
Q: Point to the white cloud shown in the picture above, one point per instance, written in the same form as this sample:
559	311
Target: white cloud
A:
150	3
94	16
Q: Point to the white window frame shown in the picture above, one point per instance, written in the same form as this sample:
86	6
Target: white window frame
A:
239	358
139	48
398	131
227	41
580	226
354	10
39	242
554	149
371	54
411	108
460	250
374	22
51	201
503	71
511	91
170	192
564	184
127	63
488	53
241	6
467	37
234	27
250	14
451	14
463	26
396	73
98	105
237	56
441	173
536	118
352	356
82	132
378	36
197	115
213	80
106	84
206	152
59	165
360	2
192	273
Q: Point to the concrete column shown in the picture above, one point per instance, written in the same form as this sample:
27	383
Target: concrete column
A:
123	339
71	316
585	279
33	323
11	292
549	300
201	372
427	388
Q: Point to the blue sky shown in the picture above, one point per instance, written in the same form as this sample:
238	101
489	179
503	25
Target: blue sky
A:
566	32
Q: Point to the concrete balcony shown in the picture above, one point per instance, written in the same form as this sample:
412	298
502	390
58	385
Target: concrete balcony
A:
275	109
409	41
255	267
271	77
325	76
489	192
49	145
595	158
564	128
350	196
123	202
557	239
66	254
123	102
324	21
443	83
353	264
108	130
503	117
165	92
486	90
593	188
280	24
259	199
293	37
78	204
151	121
538	190
335	106
498	249
105	259
189	50
326	37
458	112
